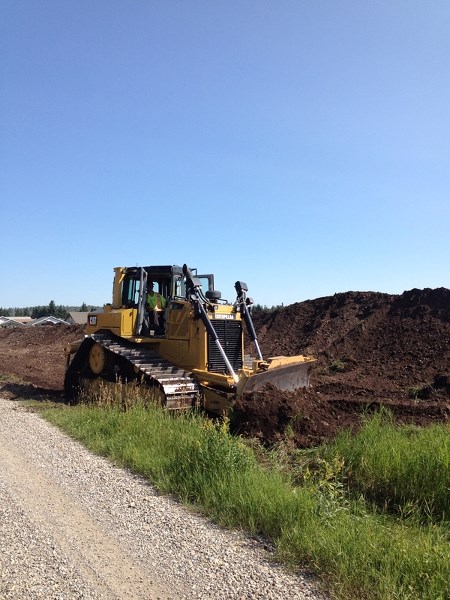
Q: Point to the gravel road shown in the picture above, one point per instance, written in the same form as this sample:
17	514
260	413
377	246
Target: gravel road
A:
73	526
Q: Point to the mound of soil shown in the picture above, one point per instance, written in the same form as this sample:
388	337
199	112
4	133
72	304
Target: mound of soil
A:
35	355
372	349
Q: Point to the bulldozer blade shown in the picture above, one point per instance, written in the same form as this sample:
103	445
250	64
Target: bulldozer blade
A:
289	377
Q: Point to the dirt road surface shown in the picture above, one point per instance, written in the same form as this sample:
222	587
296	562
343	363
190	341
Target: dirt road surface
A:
73	526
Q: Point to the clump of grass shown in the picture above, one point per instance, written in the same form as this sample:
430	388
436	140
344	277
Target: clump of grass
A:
10	378
401	468
367	555
337	366
418	391
413	391
122	396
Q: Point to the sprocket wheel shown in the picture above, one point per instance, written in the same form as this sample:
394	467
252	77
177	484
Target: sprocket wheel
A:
97	359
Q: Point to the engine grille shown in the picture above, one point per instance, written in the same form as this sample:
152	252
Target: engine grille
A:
230	338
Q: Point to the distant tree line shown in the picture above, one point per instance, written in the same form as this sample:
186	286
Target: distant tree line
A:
62	312
259	308
35	312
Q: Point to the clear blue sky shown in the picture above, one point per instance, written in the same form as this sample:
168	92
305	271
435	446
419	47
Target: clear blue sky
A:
300	146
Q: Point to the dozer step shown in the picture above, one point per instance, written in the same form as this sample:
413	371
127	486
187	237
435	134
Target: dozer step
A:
180	389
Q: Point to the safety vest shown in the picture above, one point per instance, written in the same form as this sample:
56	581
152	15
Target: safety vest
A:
156	301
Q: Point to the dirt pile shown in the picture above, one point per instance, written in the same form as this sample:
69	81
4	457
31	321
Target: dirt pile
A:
371	349
36	355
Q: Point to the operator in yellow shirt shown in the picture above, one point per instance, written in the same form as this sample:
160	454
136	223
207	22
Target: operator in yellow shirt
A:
155	304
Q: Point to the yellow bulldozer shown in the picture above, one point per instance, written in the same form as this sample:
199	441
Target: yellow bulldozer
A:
191	354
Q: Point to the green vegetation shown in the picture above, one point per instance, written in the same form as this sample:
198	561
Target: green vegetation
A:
420	391
337	366
265	310
9	378
35	312
413	392
402	470
353	511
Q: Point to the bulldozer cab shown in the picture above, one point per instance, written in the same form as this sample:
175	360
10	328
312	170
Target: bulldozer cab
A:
168	281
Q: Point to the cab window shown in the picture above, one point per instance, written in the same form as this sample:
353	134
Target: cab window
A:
179	290
207	282
130	293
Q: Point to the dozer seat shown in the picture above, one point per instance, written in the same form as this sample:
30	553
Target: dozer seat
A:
149	324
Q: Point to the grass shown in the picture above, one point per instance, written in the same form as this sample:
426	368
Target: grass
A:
402	469
337	366
10	378
340	510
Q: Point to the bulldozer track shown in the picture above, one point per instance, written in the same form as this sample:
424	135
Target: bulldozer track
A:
180	389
